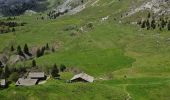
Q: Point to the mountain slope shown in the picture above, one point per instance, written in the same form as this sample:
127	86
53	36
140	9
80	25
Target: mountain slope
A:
128	63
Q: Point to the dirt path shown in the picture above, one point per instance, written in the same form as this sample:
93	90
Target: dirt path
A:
128	94
94	3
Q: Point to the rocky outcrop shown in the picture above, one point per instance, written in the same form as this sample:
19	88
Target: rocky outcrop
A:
158	7
68	7
17	7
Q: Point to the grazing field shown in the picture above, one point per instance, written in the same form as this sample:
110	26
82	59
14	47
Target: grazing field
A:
128	63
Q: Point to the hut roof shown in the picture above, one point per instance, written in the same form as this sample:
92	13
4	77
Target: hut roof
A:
36	75
3	82
26	82
84	76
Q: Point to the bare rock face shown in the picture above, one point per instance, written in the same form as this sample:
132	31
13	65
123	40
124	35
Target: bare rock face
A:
15	58
16	7
158	7
69	7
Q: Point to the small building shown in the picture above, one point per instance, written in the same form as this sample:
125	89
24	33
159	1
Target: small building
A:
37	75
82	77
26	82
3	83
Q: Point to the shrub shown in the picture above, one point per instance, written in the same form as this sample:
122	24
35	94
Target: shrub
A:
62	67
34	63
55	71
14	77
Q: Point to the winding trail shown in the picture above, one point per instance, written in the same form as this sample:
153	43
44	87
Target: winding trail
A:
128	94
93	4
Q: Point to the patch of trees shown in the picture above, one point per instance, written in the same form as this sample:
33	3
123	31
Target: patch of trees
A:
55	70
55	14
43	50
151	23
27	54
21	52
12	73
6	27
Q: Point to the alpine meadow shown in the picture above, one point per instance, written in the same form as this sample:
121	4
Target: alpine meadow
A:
84	50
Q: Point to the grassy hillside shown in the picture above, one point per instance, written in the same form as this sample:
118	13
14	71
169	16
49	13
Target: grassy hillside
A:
134	63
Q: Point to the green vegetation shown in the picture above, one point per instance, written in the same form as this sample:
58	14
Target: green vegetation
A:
129	63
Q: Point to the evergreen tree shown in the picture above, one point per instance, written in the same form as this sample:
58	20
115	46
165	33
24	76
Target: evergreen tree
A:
13	29
148	24
26	49
153	24
160	28
163	23
12	48
143	24
169	25
19	50
62	67
53	50
6	72
34	63
42	51
139	23
38	54
47	47
149	15
55	71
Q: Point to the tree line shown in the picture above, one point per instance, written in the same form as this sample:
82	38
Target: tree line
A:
12	73
152	23
6	27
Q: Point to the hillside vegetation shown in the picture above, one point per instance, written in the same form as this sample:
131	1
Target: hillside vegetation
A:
128	62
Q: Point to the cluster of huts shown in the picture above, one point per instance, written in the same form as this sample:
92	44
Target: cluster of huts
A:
34	78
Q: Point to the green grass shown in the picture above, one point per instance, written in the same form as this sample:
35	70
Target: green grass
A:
149	92
109	49
64	91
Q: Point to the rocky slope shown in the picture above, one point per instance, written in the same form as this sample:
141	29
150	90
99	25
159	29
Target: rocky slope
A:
158	7
17	7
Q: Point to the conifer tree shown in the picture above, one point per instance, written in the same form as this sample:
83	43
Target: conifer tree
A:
12	48
169	25
34	63
62	67
143	24
26	49
47	47
148	24
38	53
6	72
153	24
55	71
149	15
19	50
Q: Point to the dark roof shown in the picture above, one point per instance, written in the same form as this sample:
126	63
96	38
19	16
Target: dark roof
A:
36	75
26	82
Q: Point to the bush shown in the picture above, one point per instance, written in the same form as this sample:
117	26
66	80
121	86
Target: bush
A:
55	71
90	25
14	77
62	68
34	63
